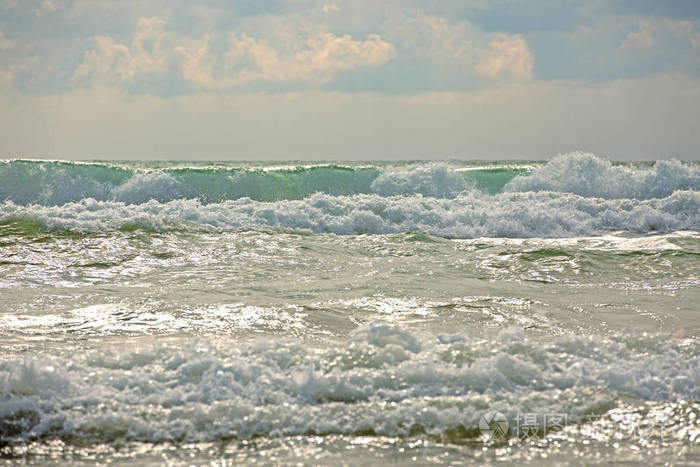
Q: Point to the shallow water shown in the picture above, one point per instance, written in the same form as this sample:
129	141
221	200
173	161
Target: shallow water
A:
185	313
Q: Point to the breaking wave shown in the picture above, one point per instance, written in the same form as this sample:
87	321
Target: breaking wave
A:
384	380
470	215
588	175
571	195
55	183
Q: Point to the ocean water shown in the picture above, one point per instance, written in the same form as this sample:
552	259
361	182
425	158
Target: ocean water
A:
346	313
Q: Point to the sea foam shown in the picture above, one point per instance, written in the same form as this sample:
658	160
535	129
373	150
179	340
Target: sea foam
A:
587	175
384	380
470	215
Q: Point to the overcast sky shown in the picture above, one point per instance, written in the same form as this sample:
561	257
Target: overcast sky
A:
362	79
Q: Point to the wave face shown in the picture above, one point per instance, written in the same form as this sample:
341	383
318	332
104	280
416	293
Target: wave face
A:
571	195
56	183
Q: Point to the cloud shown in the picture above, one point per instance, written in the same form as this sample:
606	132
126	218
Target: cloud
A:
322	55
111	62
12	60
154	49
653	32
393	47
665	9
642	38
686	29
330	8
508	56
46	6
403	78
108	61
196	62
445	42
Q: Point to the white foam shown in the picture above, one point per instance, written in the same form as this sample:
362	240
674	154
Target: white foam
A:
385	379
144	187
470	215
435	180
588	175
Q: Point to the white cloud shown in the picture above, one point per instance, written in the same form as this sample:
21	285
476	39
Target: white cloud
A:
645	37
330	8
322	55
155	49
652	32
412	46
197	62
508	55
13	60
46	6
151	47
107	61
685	29
433	51
112	62
434	37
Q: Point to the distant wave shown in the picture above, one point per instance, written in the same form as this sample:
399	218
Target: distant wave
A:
54	183
573	194
51	183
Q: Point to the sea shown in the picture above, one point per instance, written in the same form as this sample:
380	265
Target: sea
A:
346	313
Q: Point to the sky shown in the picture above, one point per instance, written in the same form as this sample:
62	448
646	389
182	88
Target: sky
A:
361	79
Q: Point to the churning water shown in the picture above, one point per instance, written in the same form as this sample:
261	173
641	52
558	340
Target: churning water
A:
356	313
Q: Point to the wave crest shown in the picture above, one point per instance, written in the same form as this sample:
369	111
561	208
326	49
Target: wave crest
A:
588	175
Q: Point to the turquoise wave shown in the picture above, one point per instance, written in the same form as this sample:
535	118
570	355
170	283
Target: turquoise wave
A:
53	183
50	183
